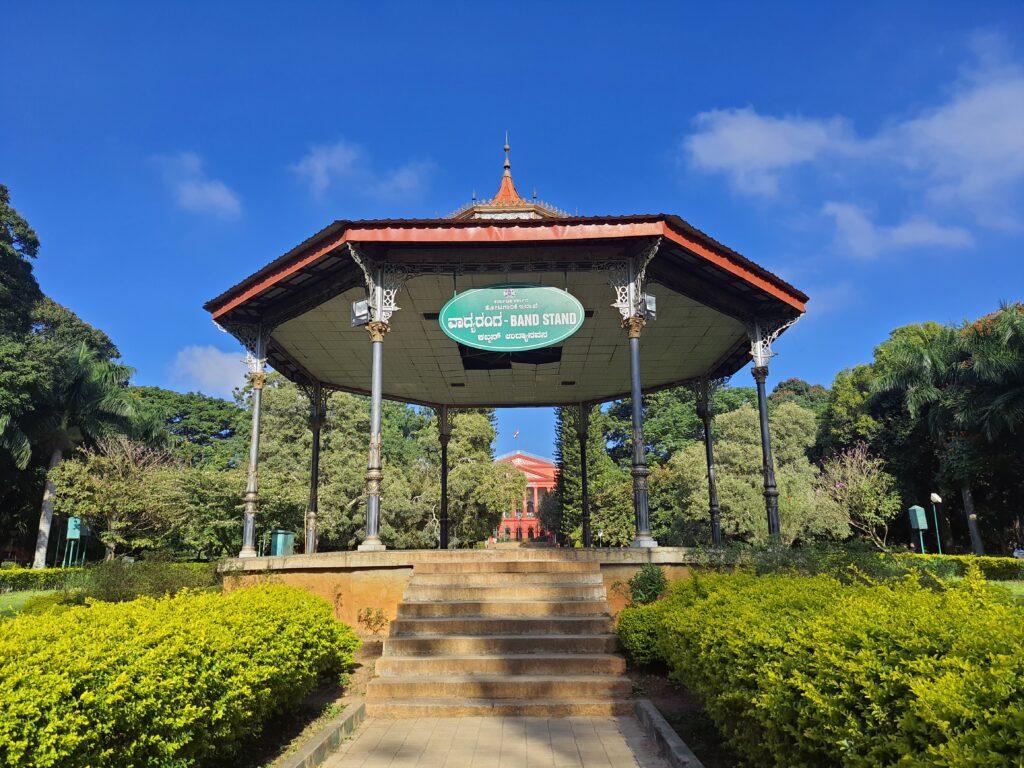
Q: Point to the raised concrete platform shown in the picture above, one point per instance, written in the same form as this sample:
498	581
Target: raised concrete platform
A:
489	657
351	581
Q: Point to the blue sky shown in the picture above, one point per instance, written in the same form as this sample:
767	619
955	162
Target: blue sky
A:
871	154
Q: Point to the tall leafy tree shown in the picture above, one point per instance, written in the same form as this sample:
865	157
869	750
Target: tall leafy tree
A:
926	371
19	294
679	489
89	398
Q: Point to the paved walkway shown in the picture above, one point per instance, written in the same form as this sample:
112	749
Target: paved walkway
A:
498	742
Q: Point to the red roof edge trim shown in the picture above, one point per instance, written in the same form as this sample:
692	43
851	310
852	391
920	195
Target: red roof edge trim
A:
443	230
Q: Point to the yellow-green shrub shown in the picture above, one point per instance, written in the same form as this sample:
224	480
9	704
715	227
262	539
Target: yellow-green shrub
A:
21	579
178	681
637	626
800	671
992	568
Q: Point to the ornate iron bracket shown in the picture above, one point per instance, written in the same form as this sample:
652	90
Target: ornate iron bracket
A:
445	422
704	389
255	338
383	282
762	335
629	278
318	395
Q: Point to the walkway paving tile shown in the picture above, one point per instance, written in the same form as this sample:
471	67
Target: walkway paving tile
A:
499	742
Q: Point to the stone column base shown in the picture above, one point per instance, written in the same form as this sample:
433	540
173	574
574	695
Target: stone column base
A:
247	552
371	545
644	542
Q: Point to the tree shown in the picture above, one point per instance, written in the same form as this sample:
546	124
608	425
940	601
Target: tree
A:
124	489
680	488
925	370
89	398
855	483
846	418
480	492
563	514
19	293
202	429
813	397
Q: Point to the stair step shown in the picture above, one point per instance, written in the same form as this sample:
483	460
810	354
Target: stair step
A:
509	566
410	610
407	708
469	645
557	592
499	579
506	664
527	687
509	625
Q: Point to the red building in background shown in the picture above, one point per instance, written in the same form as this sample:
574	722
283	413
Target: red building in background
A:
524	524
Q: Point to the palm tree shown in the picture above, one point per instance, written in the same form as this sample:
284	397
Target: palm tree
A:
996	371
88	398
929	372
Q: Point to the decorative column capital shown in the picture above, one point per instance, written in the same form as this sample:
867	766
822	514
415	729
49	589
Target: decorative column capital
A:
760	373
377	329
257	379
634	325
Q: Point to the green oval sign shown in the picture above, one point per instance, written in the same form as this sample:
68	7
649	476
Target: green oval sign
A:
511	318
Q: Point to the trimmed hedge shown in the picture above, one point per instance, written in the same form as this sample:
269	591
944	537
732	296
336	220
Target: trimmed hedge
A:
945	566
23	579
637	626
178	681
853	561
808	671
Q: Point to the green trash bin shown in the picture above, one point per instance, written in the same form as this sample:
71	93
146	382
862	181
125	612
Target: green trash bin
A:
282	542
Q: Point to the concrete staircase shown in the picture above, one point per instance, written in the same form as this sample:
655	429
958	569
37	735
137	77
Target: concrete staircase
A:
524	637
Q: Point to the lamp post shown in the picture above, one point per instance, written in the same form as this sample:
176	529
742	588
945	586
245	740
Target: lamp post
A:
936	499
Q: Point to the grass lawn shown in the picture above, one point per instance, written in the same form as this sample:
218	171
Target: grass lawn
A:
11	602
1016	588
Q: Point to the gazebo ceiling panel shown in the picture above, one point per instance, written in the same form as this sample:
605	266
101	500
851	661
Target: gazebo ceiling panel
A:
421	364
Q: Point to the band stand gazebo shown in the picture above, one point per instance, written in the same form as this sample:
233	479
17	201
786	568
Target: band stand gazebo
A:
307	314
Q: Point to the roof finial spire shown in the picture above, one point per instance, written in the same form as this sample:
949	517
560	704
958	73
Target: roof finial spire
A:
508	165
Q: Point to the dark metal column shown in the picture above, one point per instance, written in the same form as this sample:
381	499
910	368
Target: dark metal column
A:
634	325
257	377
771	492
374	470
705	410
444	428
317	415
582	432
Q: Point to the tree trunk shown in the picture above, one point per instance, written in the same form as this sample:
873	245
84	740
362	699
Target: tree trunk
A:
972	520
46	512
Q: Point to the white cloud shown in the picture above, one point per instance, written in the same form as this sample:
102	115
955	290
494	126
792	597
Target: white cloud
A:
184	176
344	164
209	370
857	234
963	156
324	164
971	149
752	149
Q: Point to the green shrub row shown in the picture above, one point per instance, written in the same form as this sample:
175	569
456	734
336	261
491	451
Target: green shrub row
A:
809	671
21	579
177	681
946	566
850	560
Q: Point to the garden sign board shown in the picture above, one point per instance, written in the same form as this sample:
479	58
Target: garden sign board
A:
511	318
